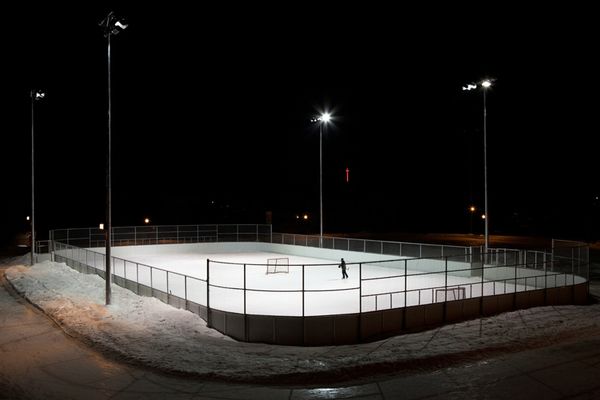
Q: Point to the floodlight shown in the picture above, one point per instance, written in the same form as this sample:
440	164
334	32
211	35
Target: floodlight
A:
37	94
112	25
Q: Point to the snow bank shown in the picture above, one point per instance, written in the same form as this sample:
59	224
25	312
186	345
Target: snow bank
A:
160	336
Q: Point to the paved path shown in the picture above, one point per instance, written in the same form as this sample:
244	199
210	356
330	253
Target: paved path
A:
39	361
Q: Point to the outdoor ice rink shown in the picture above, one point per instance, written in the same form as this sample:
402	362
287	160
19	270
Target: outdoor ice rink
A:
313	286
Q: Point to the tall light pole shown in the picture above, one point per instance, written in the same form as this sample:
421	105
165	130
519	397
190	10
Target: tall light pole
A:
322	119
485	85
111	25
36	95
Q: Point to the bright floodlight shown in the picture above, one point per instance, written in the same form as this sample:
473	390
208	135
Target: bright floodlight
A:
486	84
325	117
37	94
112	24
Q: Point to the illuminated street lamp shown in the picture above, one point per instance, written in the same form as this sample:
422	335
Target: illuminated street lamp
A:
471	211
36	95
485	85
322	119
111	25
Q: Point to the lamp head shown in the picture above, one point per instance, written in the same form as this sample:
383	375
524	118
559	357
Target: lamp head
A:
324	118
112	25
37	94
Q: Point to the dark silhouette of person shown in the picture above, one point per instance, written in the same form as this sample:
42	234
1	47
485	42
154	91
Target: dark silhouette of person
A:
343	267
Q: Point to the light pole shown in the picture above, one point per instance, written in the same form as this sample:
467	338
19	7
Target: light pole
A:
111	25
485	85
36	95
322	119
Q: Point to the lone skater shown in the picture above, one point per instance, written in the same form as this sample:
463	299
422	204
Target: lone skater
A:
343	267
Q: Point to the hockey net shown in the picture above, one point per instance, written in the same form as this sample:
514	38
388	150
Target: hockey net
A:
450	294
277	265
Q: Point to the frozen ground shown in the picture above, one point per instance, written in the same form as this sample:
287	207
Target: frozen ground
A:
154	334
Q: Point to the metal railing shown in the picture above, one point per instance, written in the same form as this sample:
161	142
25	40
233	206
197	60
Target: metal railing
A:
401	249
163	234
507	271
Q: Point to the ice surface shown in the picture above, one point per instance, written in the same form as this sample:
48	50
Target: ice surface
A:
182	270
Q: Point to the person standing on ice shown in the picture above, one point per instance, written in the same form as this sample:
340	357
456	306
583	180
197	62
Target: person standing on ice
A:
343	267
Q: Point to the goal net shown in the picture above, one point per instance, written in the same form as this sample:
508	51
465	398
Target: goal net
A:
449	294
280	264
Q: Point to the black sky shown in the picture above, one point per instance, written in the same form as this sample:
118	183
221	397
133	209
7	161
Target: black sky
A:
211	110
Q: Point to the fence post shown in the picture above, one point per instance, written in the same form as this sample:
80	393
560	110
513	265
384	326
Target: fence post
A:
245	316
185	291
51	245
515	296
545	282
482	282
208	324
446	287
360	302
405	296
303	323
573	267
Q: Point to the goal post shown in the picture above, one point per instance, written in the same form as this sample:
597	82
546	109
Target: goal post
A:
277	265
450	294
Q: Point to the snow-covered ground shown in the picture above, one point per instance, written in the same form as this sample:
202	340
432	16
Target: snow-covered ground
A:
152	333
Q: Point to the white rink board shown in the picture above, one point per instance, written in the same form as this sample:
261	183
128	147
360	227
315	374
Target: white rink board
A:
325	292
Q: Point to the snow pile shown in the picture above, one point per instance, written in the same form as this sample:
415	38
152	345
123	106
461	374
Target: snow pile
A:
146	330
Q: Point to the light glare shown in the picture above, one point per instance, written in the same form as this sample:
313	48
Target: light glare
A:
486	83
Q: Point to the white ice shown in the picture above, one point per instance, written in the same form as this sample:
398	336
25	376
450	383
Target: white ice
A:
313	286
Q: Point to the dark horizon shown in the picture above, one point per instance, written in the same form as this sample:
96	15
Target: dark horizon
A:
211	121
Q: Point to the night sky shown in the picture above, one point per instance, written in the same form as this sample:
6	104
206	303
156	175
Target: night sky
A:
212	109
